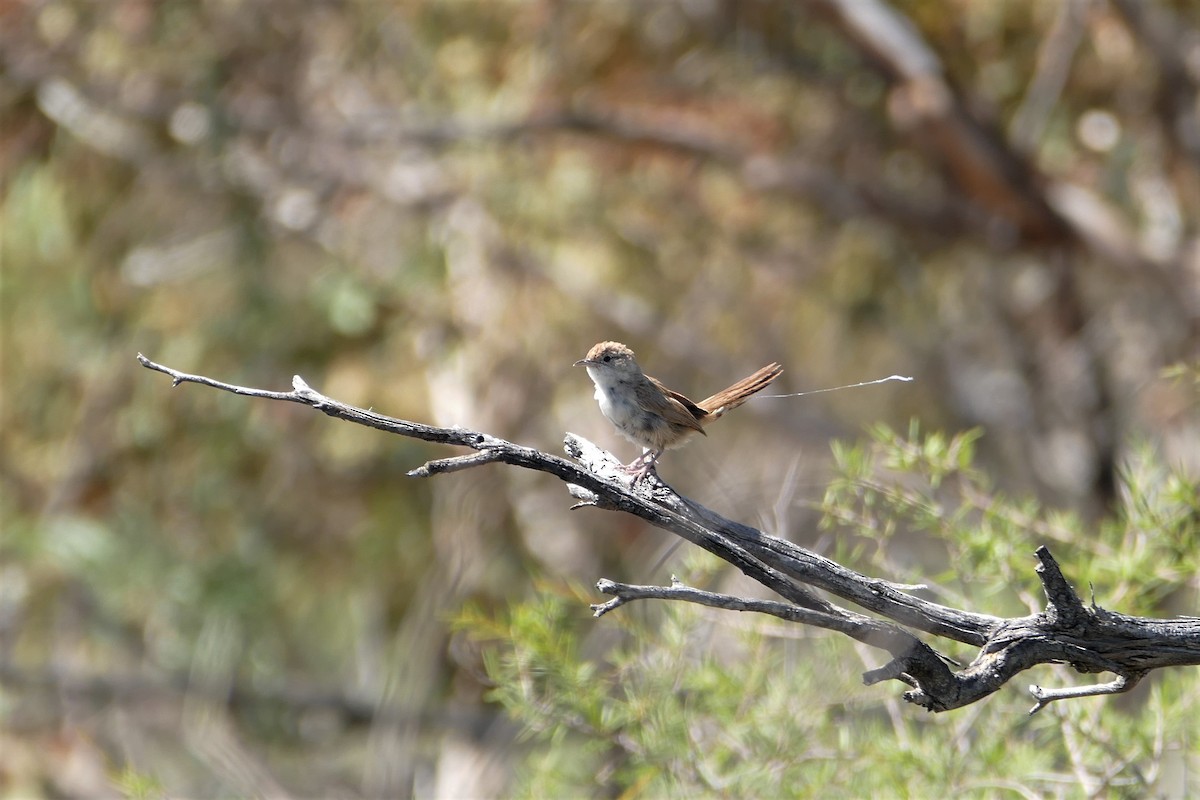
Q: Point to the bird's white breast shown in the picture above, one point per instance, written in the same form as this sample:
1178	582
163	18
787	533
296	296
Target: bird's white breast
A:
613	396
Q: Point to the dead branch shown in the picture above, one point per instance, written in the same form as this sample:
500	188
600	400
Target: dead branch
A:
1090	639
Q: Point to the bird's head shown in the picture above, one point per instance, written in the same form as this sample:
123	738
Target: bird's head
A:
611	357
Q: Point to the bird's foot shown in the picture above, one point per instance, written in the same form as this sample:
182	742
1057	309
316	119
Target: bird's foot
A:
641	468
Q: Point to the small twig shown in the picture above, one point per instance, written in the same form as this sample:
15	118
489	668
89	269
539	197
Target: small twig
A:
909	654
178	377
443	466
625	592
1044	697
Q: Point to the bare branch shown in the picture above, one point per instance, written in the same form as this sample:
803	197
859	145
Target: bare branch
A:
1045	697
612	489
1090	639
836	620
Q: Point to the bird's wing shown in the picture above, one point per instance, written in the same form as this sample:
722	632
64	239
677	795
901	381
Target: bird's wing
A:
673	406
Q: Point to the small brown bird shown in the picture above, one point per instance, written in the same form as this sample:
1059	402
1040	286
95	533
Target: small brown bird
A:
650	414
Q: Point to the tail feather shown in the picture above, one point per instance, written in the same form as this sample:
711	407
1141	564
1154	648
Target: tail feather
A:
737	394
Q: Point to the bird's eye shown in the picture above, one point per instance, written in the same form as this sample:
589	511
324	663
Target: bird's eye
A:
606	359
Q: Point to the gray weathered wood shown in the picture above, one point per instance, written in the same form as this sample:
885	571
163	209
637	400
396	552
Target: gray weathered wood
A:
1089	638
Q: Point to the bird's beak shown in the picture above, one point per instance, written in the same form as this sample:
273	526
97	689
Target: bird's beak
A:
583	362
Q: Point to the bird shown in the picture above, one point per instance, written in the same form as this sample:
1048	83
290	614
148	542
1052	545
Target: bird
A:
647	413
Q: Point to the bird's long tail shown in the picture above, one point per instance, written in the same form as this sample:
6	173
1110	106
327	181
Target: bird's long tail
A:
735	395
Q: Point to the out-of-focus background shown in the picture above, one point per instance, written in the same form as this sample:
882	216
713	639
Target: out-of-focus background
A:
433	209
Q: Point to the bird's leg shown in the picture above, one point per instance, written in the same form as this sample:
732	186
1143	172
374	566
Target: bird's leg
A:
642	467
636	466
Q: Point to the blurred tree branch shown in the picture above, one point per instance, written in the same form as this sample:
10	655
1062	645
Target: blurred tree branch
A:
985	165
1009	200
1055	57
1089	639
1165	37
923	100
101	689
